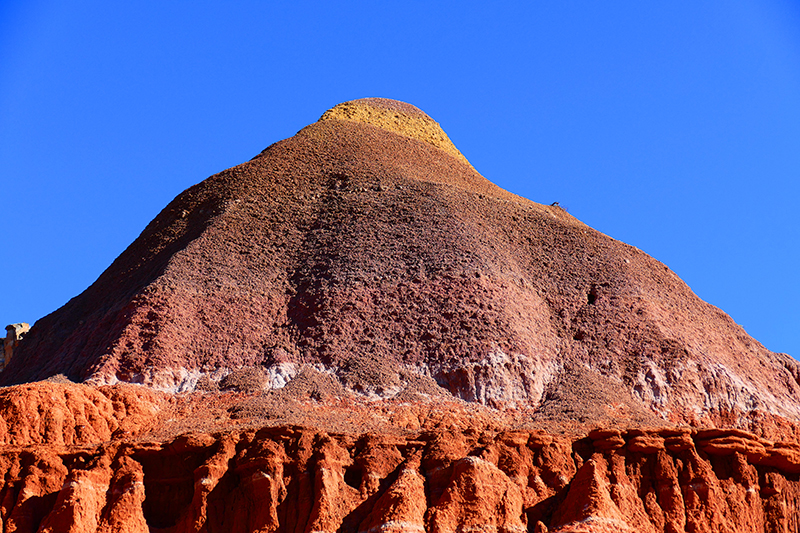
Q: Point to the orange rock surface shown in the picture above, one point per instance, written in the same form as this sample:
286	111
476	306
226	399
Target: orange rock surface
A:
357	332
293	478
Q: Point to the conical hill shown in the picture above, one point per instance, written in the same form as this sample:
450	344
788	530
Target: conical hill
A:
368	247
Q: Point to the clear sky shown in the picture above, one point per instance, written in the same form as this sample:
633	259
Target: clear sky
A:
672	126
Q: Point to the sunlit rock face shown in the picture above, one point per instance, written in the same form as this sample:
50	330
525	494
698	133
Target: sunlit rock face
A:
358	330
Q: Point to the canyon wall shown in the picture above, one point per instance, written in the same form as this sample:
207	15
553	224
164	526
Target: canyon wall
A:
300	480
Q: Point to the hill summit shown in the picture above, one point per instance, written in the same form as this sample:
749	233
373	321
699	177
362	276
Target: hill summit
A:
368	248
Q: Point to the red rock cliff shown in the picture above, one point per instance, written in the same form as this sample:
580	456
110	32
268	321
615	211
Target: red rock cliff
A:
291	479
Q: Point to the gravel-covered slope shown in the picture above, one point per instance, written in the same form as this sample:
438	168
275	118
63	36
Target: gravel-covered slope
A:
367	247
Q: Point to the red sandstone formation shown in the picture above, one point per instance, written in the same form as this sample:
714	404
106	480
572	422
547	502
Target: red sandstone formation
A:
356	331
14	335
288	478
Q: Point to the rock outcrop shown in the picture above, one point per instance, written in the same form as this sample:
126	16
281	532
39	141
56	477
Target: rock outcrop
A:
14	334
357	332
294	479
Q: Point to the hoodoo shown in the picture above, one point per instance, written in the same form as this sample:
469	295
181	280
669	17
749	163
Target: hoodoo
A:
368	335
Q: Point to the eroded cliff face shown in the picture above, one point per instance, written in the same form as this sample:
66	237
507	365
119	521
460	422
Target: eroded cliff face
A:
300	480
125	458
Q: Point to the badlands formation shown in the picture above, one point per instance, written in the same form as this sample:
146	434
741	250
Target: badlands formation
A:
356	332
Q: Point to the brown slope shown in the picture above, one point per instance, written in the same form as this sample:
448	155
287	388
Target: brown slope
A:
368	246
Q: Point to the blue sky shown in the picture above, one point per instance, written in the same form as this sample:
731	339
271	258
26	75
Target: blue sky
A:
672	126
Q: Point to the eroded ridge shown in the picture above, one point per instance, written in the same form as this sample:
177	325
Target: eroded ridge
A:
295	479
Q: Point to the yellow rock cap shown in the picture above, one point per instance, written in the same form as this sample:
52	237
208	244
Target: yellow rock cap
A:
397	117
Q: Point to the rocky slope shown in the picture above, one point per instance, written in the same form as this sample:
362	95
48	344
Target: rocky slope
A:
356	331
366	245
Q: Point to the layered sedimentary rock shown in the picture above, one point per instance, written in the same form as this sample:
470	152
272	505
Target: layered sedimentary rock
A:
289	478
357	332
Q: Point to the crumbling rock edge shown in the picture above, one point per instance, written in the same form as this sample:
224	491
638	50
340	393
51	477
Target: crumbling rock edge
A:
126	458
299	479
